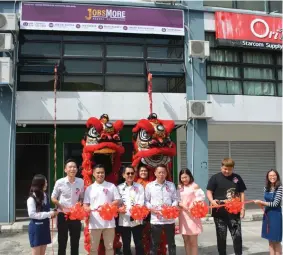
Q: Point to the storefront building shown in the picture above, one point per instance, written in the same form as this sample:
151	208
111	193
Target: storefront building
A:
103	69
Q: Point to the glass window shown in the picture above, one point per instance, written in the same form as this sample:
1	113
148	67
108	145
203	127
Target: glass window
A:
165	41
223	56
279	60
279	74
251	5
125	67
125	39
42	37
165	52
124	51
124	84
223	71
85	50
224	4
279	89
275	6
82	38
211	38
259	88
166	68
38	66
257	58
41	49
83	66
258	73
82	83
169	84
36	82
224	87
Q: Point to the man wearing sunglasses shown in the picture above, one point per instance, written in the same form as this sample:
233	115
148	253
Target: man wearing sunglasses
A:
132	193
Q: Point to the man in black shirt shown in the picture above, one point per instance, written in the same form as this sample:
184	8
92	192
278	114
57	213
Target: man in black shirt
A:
220	188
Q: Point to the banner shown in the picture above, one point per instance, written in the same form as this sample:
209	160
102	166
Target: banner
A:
247	30
97	18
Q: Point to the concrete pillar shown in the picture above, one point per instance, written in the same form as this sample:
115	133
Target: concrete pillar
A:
197	137
7	155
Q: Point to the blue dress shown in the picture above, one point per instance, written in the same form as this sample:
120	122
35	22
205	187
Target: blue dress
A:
272	224
39	230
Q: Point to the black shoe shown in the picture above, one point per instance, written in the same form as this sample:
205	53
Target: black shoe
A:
118	252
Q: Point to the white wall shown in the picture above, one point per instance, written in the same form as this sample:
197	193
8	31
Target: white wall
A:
242	132
77	107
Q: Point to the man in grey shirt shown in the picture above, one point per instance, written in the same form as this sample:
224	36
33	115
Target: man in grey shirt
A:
67	192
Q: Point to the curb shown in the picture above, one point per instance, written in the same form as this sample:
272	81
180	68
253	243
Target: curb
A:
21	227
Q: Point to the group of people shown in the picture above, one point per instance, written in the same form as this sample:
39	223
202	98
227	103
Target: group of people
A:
136	189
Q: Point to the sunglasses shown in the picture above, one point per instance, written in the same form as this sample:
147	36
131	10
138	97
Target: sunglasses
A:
130	173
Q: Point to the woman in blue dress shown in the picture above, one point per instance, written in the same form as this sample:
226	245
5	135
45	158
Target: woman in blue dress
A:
39	213
272	219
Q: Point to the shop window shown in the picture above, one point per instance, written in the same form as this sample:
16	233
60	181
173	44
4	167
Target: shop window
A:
165	52
279	73
122	51
223	56
43	66
82	83
257	58
259	88
279	89
124	84
83	66
224	4
40	37
41	49
124	39
275	6
223	71
169	69
82	38
229	87
84	50
169	84
124	67
258	73
279	60
36	82
165	41
251	5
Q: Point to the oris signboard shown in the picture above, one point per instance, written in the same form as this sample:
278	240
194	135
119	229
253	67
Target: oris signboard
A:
245	30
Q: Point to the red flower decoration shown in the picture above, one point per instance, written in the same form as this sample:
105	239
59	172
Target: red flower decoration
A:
170	212
139	212
76	212
234	205
108	212
199	209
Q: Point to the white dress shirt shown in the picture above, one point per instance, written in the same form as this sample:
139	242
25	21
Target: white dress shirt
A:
68	193
97	195
157	195
130	195
33	214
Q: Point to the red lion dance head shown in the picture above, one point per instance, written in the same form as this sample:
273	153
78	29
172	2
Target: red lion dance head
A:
102	145
152	142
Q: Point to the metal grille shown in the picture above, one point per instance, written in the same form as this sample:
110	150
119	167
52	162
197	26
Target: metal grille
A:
183	153
33	138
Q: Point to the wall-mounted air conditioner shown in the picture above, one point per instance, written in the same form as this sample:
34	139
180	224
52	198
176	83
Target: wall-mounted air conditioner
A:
199	109
199	49
6	42
6	71
9	22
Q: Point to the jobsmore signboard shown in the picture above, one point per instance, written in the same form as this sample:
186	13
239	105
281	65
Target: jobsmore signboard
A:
246	30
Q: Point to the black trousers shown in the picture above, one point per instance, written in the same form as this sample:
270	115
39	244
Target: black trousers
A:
234	226
126	233
156	231
64	226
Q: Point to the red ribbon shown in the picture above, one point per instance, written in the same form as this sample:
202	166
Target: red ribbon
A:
149	91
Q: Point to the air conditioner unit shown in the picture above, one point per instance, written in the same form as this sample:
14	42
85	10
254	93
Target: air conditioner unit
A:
6	42
9	22
199	49
6	71
199	109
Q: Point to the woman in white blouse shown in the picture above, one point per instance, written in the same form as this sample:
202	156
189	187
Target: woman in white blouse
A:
39	212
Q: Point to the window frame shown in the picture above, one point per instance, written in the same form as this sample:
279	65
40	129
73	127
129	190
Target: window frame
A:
241	65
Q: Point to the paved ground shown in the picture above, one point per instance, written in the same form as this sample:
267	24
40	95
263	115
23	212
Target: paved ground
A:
17	243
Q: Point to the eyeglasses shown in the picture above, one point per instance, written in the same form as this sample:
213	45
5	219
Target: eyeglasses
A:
130	173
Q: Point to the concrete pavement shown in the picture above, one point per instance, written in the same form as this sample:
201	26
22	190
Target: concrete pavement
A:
17	243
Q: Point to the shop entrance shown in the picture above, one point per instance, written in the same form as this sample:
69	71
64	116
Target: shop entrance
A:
32	157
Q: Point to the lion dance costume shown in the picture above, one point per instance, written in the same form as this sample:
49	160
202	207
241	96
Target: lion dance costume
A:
153	146
102	145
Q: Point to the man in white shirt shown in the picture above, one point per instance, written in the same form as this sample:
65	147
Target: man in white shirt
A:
132	193
98	194
157	193
66	193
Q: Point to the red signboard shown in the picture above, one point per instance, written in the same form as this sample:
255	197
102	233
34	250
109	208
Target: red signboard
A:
249	30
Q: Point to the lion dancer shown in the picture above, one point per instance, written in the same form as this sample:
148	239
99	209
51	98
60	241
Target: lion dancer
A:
102	145
153	147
